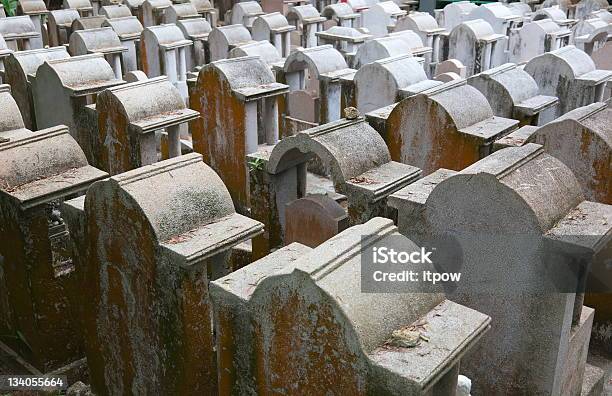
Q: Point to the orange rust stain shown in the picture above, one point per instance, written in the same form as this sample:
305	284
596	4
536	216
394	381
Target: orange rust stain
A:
306	352
436	145
219	136
198	374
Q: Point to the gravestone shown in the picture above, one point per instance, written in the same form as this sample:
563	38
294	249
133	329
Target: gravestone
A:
307	21
525	236
356	164
176	12
298	319
130	116
197	30
448	126
63	88
152	12
342	14
276	29
163	51
223	39
37	11
536	38
84	7
388	81
238	113
20	68
314	219
245	12
104	41
591	35
60	26
380	18
380	48
263	49
128	29
431	35
115	11
313	76
346	40
153	238
20	33
11	122
512	93
86	23
477	46
570	75
454	14
41	169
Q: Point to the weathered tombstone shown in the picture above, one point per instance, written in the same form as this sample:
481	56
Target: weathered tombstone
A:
11	122
20	33
276	29
308	21
152	12
86	23
245	13
40	170
380	48
346	40
570	75
206	11
263	49
556	15
128	30
499	16
130	115
389	80
197	30
104	41
223	39
62	88
313	220
59	25
312	298
342	14
451	66
163	51
526	207
591	34
454	14
153	238
450	126
21	67
135	7
176	12
228	101
37	11
477	46
115	11
428	30
416	46
513	93
581	140
84	7
313	75
381	18
536	38
356	163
